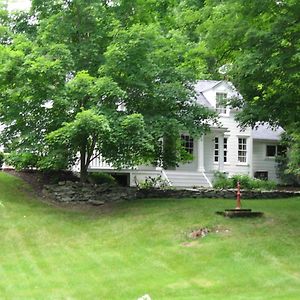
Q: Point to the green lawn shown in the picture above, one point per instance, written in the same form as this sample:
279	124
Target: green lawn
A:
142	247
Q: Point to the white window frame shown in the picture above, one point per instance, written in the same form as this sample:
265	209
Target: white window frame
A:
225	149
242	150
221	109
188	143
217	149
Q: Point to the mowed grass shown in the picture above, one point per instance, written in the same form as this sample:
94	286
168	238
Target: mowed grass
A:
141	247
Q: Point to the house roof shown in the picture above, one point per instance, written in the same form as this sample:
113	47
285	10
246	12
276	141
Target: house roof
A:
204	85
265	132
202	100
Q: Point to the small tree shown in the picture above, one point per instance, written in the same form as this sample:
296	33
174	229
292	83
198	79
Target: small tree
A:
83	135
121	141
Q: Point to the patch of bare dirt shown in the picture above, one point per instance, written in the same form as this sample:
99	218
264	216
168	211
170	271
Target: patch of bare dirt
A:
203	232
199	233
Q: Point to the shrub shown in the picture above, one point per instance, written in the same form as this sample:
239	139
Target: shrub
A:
1	159
221	181
20	161
153	182
263	184
55	176
100	178
245	181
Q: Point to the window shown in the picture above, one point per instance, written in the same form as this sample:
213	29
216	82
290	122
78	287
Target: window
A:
271	151
216	150
242	150
220	99
261	175
187	143
274	150
225	149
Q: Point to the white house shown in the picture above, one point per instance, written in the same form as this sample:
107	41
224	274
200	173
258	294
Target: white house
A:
226	148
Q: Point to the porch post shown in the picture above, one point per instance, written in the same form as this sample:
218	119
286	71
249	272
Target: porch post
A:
250	156
221	152
200	155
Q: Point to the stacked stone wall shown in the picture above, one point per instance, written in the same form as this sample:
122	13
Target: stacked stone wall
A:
99	194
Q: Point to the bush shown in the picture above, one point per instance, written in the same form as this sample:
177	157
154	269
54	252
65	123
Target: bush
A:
20	161
221	181
1	159
263	184
154	182
55	176
100	178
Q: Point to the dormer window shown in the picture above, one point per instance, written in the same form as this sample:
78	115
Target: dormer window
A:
220	100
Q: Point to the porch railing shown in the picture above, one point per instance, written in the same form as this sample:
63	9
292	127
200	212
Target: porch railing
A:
99	163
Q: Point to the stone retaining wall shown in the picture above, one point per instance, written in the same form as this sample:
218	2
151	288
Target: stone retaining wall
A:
215	193
91	193
99	194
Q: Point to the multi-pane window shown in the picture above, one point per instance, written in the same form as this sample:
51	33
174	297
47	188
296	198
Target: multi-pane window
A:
271	151
242	150
187	143
217	149
220	100
225	149
274	150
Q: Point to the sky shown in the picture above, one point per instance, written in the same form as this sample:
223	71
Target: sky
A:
18	4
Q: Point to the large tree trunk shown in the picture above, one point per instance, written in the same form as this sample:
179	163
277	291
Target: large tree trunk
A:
83	167
86	154
169	151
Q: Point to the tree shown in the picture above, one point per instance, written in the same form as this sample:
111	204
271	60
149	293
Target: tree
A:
84	134
158	79
259	44
65	76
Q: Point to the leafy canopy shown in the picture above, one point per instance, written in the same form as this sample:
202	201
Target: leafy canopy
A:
71	66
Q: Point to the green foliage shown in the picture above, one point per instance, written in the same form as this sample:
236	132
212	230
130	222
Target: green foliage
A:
153	182
294	155
221	181
93	56
23	160
84	135
258	41
158	84
1	159
129	142
101	178
288	161
87	126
